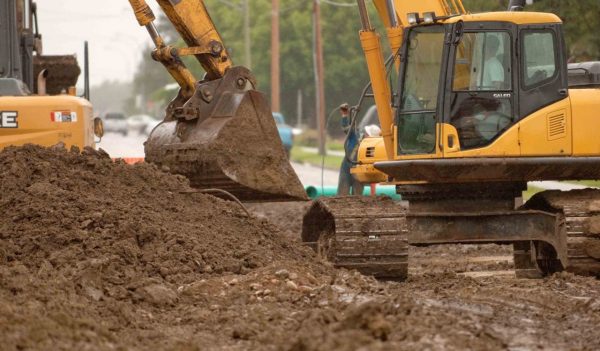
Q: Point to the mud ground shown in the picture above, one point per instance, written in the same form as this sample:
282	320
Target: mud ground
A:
97	255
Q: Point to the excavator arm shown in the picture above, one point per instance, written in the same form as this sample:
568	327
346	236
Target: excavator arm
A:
394	15
219	131
192	21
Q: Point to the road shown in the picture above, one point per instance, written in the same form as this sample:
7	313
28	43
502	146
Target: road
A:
552	185
133	146
120	146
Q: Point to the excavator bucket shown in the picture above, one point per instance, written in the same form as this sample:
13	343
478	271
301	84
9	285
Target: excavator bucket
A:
224	137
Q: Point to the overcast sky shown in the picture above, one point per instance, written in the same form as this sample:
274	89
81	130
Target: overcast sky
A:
115	38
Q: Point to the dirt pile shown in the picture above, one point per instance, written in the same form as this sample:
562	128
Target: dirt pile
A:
54	202
97	255
81	236
287	216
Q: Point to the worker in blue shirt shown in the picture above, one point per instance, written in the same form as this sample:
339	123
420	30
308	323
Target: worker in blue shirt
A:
347	184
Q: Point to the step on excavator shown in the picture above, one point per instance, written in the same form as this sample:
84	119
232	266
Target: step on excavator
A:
484	103
219	131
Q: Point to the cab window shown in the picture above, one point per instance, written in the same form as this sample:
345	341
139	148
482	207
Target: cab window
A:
483	62
481	105
540	61
418	105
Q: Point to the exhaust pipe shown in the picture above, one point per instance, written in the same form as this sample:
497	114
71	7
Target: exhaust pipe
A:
516	5
41	82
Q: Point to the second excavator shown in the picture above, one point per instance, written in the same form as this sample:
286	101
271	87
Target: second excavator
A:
484	104
219	131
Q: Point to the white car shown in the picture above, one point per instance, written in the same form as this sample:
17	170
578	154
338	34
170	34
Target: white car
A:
150	126
116	122
139	123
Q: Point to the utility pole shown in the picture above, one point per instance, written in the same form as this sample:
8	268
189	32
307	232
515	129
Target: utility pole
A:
247	39
299	109
275	79
319	76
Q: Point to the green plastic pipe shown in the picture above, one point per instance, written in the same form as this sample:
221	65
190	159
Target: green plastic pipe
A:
314	192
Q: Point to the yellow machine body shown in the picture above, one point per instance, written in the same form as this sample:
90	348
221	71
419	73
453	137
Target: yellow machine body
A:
373	149
370	150
484	104
562	128
37	92
46	120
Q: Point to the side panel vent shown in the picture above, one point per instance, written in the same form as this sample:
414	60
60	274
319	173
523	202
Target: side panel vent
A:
557	125
370	151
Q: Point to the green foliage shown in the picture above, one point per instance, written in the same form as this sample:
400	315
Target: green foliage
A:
345	68
110	96
309	137
301	156
475	6
531	190
579	17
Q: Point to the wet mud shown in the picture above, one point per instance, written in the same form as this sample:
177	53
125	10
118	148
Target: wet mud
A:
99	255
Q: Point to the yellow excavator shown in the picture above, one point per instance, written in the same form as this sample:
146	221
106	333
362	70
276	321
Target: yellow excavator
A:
37	92
218	131
483	104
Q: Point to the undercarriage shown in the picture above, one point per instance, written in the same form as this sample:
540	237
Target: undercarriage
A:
553	231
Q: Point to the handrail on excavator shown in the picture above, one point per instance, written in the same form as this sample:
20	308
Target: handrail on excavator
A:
393	14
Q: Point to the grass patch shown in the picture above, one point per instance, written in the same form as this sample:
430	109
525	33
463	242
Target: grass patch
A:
335	145
531	190
310	138
301	156
593	183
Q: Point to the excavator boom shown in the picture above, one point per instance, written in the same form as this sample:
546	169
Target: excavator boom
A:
219	132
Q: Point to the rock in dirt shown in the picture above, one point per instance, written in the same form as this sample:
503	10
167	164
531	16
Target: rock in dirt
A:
592	248
159	295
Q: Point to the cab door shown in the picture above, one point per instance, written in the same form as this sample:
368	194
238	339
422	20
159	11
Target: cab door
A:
421	79
545	109
480	103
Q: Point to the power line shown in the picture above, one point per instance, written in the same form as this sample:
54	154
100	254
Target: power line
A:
339	4
293	7
232	5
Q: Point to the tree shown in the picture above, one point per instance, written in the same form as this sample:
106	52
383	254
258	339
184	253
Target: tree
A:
345	68
580	21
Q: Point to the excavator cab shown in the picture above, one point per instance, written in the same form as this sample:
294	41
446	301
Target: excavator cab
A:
467	85
482	86
471	86
219	132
